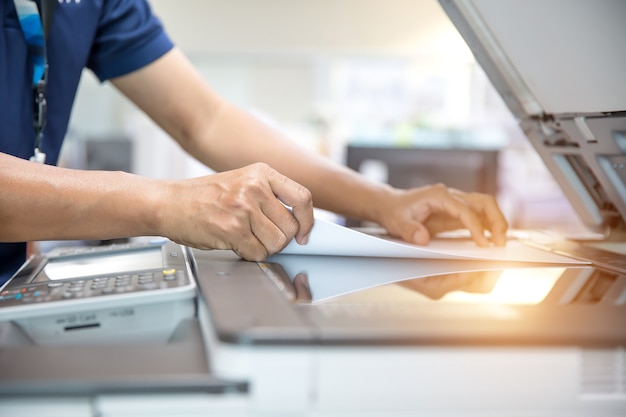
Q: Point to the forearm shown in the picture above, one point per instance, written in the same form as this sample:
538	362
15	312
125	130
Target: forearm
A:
41	202
237	138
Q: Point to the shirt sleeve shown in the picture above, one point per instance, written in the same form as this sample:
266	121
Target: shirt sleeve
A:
129	37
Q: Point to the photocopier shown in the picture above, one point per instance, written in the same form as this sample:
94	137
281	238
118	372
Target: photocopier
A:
152	328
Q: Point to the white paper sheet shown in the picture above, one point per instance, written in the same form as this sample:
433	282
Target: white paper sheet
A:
332	239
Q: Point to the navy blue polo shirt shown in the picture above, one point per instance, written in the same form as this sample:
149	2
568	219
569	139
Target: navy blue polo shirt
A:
110	37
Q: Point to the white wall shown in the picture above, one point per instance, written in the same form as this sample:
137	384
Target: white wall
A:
276	57
405	27
268	54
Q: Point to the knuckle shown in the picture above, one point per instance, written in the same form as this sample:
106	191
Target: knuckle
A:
252	189
282	237
235	224
304	195
252	183
241	203
292	228
261	167
439	188
279	243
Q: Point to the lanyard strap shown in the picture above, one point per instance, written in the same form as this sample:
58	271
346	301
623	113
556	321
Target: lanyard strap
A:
36	26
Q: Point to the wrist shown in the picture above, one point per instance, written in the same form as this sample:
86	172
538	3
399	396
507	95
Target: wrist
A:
373	205
153	207
382	204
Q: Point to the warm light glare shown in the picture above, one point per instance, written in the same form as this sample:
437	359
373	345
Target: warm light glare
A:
514	286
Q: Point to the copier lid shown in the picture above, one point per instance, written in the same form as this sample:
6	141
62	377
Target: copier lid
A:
557	56
559	66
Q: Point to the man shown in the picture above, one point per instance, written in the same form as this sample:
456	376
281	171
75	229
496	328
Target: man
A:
262	196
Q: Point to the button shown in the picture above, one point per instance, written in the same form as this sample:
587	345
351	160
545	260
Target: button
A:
169	274
148	286
55	284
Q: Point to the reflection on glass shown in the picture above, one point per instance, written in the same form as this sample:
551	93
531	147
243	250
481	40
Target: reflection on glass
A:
336	280
509	286
512	286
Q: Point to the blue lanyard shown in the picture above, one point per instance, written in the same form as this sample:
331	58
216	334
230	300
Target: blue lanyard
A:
36	26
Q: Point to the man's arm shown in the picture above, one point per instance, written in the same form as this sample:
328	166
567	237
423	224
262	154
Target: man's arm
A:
42	202
225	137
240	210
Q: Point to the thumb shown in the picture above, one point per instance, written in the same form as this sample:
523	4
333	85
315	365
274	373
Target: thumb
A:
415	232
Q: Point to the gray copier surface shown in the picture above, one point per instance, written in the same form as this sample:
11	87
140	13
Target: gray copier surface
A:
260	343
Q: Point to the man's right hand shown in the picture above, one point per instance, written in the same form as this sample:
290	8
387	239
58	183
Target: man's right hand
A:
254	211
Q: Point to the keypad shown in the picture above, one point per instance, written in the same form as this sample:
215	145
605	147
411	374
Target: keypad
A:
102	286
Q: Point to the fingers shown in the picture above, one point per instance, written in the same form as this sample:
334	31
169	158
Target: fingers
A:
301	285
430	210
299	199
436	287
272	224
496	222
416	232
468	217
440	200
491	217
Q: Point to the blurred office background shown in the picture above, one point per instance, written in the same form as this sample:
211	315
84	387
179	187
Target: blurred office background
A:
388	86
